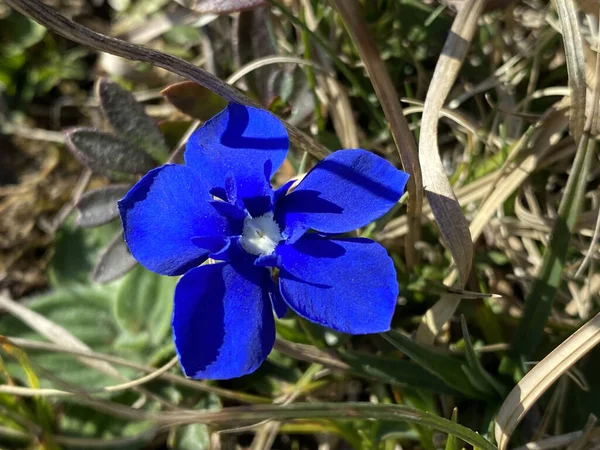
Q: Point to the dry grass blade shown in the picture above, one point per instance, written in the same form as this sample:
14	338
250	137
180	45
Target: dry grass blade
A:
540	298
435	318
310	354
541	377
552	442
30	392
388	97
592	248
54	333
167	376
446	210
348	410
54	21
583	441
59	335
575	56
543	136
266	60
445	207
466	194
221	6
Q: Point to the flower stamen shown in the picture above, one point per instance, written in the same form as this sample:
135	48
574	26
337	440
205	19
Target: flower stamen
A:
260	235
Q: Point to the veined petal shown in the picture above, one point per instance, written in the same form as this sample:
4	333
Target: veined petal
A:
346	190
223	324
163	212
246	142
348	285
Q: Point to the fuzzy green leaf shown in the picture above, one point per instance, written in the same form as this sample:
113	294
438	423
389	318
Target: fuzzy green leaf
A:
144	304
130	121
107	154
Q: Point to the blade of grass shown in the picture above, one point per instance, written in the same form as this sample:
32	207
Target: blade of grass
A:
394	371
435	317
352	15
540	298
353	411
257	413
43	410
542	376
475	365
369	367
446	367
451	443
574	54
446	210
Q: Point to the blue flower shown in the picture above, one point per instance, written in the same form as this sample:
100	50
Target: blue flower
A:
274	247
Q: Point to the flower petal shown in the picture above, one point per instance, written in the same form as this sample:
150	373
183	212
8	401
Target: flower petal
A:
279	305
346	190
162	213
249	143
223	325
345	284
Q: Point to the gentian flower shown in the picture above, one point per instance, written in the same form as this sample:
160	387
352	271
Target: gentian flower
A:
275	248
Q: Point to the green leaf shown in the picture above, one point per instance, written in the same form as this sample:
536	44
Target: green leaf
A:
83	421
144	304
194	100
99	206
394	371
196	436
193	437
136	343
107	154
425	402
114	262
255	39
76	251
540	298
446	367
130	121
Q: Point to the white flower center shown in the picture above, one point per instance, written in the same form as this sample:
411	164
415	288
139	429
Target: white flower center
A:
261	234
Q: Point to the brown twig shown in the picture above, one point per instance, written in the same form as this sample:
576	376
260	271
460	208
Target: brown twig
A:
54	21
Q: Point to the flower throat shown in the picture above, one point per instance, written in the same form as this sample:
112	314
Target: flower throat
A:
260	235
